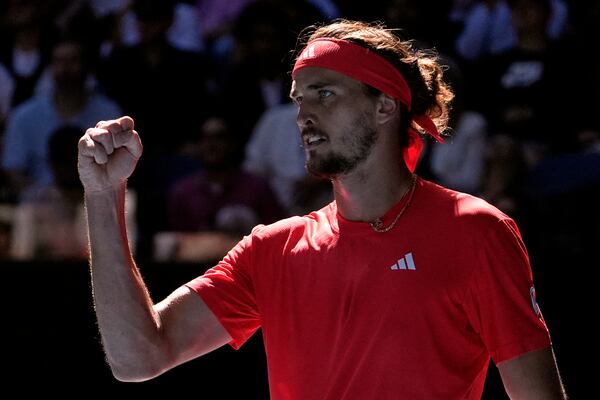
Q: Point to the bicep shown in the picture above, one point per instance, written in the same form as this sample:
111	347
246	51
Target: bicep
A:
533	375
189	327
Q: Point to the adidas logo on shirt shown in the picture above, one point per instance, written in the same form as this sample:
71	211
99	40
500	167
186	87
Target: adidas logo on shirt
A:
405	262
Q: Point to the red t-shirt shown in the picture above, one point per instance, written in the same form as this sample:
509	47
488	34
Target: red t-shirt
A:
350	313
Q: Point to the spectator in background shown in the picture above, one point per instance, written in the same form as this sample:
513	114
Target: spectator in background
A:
275	152
494	31
408	15
156	83
489	28
586	30
164	89
504	174
185	32
50	219
24	46
260	64
526	115
459	164
220	203
217	16
7	88
31	124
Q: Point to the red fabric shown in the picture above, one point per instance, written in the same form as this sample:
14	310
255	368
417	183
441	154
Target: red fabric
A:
413	150
358	63
372	69
339	322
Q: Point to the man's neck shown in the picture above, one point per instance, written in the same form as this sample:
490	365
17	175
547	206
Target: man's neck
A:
369	191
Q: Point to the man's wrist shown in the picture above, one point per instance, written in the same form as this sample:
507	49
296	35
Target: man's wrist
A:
108	190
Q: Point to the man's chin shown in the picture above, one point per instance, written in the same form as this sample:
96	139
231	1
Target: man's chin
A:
325	170
315	170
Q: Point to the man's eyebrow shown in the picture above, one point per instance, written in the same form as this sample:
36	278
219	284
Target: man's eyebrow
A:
319	85
313	86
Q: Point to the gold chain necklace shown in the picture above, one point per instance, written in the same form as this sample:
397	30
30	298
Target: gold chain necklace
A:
377	225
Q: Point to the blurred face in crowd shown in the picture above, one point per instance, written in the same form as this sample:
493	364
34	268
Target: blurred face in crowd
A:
531	15
154	19
67	65
23	13
216	144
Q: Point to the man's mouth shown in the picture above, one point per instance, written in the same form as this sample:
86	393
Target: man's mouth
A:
313	139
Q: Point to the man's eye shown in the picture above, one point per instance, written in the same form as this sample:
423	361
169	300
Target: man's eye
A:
323	93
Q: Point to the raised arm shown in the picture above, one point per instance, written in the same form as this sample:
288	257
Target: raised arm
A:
531	376
141	340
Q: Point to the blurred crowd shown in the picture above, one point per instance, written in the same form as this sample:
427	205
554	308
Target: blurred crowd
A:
207	84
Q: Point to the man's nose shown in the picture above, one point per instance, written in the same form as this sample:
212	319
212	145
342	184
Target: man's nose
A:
306	115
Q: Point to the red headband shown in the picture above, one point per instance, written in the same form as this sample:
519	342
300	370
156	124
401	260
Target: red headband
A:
368	67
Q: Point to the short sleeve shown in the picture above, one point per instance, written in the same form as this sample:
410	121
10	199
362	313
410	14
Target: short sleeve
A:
228	292
500	301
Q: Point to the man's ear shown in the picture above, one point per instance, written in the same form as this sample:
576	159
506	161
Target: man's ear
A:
387	108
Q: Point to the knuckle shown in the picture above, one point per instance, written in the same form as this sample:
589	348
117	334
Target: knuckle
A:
92	133
127	122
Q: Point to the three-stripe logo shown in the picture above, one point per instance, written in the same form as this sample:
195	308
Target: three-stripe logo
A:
405	262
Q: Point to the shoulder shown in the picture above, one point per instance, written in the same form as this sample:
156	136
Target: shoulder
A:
30	107
295	227
473	226
280	230
476	233
30	118
451	206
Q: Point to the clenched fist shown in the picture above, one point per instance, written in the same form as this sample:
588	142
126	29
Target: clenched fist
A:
108	154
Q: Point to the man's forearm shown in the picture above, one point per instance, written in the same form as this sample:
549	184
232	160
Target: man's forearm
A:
128	324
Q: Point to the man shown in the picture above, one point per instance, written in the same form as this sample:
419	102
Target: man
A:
210	210
70	102
399	289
